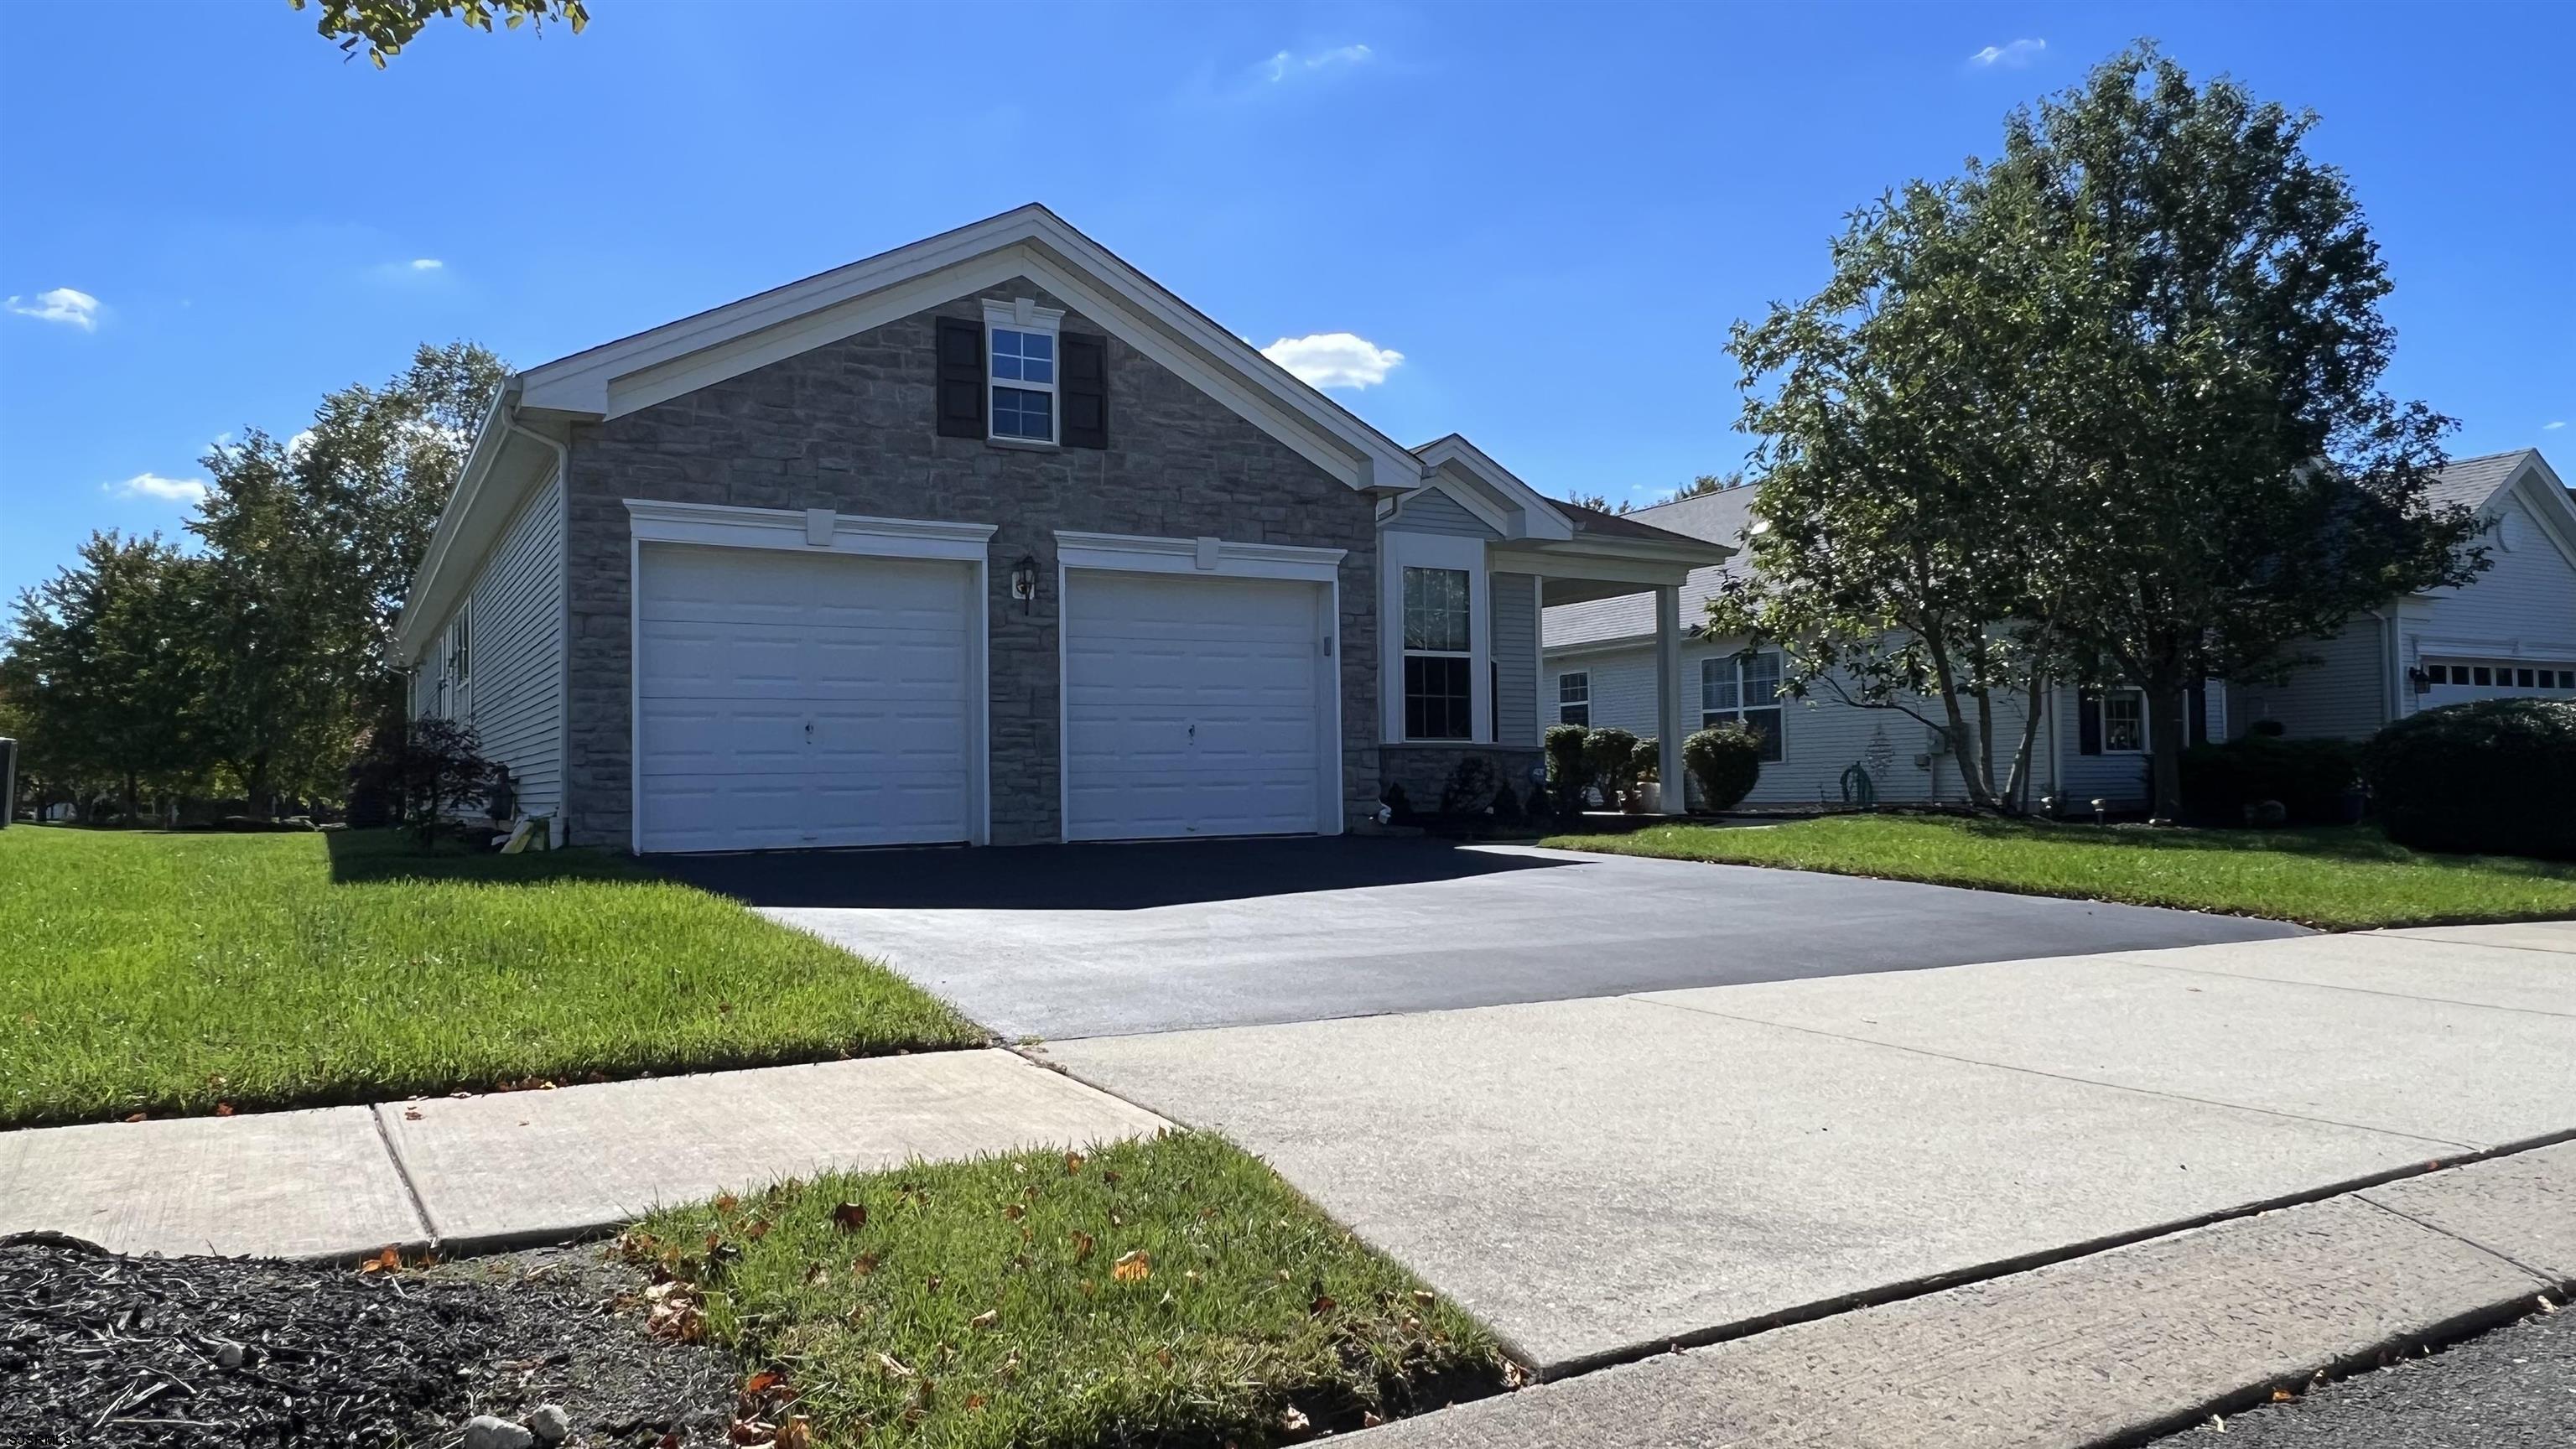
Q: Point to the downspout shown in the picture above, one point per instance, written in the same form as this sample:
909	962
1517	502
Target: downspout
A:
2048	703
2390	674
559	828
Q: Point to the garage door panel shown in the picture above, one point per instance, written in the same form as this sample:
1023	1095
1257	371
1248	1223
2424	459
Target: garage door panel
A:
791	700
1193	706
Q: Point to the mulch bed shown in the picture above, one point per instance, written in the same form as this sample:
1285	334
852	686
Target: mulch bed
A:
98	1349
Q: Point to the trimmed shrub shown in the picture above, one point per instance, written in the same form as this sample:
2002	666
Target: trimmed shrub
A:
1565	773
2310	779
1399	806
1471	787
2494	776
1724	762
1507	808
1647	761
1610	762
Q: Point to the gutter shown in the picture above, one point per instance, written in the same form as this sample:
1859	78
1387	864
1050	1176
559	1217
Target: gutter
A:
2390	674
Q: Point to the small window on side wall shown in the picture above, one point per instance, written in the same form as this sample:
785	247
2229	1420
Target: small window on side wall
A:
1574	698
1744	689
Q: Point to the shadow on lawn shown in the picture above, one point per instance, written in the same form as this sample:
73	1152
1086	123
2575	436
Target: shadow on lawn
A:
370	857
2353	844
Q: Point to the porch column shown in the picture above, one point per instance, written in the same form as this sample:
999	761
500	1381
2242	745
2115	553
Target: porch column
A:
1669	729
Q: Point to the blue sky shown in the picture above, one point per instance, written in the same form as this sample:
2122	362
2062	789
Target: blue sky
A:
1539	221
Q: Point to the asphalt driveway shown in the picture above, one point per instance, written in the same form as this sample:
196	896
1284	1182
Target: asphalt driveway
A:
1056	942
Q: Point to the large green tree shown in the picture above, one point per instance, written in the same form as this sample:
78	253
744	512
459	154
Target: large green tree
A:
384	27
2210	378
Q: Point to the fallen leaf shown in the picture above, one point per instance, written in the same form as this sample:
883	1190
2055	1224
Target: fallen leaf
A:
1015	1211
1072	1163
1163	1356
985	1319
137	1117
725	1202
1322	1305
796	1433
411	1114
974	1401
2284	1396
223	1109
384	1262
862	1265
1133	1267
850	1216
763	1381
1082	1246
1294	1420
892	1365
756	1229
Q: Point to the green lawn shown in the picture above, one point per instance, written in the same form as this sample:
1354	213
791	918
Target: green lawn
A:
173	973
1171	1291
2341	879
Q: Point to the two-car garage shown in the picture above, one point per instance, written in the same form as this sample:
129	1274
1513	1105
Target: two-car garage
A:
795	695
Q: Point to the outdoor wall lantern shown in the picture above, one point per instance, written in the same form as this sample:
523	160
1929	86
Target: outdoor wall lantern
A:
2422	681
1024	581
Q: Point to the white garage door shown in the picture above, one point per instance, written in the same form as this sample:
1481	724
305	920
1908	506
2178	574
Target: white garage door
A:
789	699
1193	706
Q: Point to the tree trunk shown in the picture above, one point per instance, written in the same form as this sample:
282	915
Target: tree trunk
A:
2165	741
133	799
1978	794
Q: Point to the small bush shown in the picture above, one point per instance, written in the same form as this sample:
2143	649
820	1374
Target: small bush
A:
426	770
1471	787
2494	776
1399	806
1724	762
2309	778
1507	808
1610	762
1646	762
1565	773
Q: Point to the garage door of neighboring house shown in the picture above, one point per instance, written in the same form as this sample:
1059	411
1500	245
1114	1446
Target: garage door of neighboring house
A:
1196	706
793	700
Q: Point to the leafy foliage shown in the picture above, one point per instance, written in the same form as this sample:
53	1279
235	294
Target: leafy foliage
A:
424	771
1566	775
2309	778
2106	408
1725	762
1645	758
386	26
1471	786
2493	775
1610	762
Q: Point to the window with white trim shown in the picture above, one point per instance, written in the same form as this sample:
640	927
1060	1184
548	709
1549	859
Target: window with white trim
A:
1020	363
2124	722
1744	689
2503	678
1574	698
1439	655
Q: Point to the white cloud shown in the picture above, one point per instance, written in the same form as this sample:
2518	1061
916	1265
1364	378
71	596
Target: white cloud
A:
153	485
426	264
2011	57
1334	359
62	304
1285	64
2553	427
301	441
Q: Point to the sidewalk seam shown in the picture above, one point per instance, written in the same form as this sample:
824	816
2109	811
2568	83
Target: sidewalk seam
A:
402	1172
2548	1282
2333	986
2411	933
2062	1077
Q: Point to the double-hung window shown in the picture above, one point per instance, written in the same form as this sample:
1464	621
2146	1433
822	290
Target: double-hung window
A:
2124	722
1744	689
1021	363
1439	655
1574	698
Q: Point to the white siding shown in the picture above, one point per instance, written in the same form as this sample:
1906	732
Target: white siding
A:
514	620
2118	780
2522	608
2344	695
1820	738
1515	646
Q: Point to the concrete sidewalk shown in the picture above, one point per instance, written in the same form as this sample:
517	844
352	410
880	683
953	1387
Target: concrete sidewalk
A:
1597	1179
457	1173
2101	1349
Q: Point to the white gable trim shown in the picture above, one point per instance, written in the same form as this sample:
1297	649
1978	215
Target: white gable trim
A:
683	356
1545	520
1467	498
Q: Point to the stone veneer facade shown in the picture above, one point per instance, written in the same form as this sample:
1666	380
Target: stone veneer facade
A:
851	426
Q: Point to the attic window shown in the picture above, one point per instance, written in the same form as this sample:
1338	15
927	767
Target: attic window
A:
1020	338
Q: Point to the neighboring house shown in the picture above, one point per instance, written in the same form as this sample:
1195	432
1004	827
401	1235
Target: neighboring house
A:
986	539
2512	631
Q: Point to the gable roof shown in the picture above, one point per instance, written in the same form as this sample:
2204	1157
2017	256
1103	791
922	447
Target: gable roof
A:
1720	517
509	458
2470	482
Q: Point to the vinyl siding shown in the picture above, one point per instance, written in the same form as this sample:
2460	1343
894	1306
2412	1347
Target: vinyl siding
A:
1514	641
2522	607
1435	512
2344	695
513	693
1820	738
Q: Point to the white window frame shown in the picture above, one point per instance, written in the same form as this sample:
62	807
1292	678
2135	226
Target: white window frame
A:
1396	553
1025	315
1583	680
1733	663
455	665
2146	742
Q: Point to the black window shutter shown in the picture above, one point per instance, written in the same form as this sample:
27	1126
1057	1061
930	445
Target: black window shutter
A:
2195	711
2088	723
1086	391
961	378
